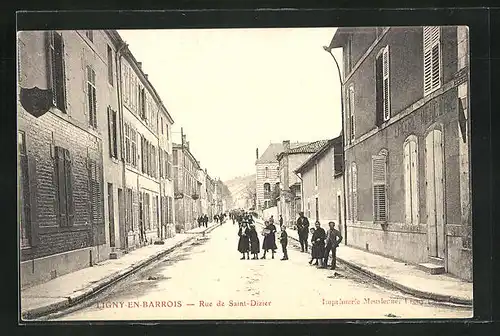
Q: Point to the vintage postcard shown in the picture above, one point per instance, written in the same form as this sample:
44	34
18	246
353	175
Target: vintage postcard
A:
244	174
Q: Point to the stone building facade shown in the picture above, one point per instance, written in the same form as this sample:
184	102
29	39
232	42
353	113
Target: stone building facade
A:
407	144
321	181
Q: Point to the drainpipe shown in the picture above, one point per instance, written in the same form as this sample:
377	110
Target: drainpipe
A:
122	132
329	50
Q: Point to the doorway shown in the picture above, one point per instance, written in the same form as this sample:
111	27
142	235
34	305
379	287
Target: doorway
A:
434	174
121	220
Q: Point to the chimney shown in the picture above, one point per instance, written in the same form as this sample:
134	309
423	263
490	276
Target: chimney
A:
146	75
139	64
286	145
256	153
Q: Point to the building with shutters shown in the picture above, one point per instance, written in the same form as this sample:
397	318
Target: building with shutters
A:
61	149
186	187
407	144
321	182
290	186
147	151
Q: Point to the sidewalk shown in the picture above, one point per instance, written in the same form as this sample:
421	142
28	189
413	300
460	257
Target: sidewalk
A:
72	288
404	277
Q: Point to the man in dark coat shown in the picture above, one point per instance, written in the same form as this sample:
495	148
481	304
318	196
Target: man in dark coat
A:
333	239
205	220
281	220
244	241
269	242
303	231
254	242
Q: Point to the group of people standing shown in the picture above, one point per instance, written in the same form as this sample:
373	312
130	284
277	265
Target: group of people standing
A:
322	242
203	220
249	239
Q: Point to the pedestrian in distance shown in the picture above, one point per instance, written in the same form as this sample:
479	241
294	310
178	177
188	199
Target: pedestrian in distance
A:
284	242
271	220
333	239
269	242
303	231
254	242
244	241
205	219
318	243
281	220
200	221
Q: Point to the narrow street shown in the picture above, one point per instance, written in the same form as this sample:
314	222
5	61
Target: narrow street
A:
194	280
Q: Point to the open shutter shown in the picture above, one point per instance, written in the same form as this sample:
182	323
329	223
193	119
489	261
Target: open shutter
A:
352	120
414	182
33	208
386	83
160	159
436	66
349	192
430	194
61	183
439	187
84	84
69	187
354	192
379	187
407	180
379	89
110	132
432	58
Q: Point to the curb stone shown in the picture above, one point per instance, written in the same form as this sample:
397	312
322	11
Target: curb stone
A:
100	285
415	292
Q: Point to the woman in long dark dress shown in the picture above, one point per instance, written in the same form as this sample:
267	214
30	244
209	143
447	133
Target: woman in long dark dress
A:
254	242
318	243
244	241
269	239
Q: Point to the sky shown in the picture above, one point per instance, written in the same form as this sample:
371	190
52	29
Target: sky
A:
235	90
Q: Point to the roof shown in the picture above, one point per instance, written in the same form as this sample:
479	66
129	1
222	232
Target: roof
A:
270	154
340	36
326	145
311	147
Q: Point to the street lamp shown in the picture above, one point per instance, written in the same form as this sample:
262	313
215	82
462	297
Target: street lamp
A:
329	51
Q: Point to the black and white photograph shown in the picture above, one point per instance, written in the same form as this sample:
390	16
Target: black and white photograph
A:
244	174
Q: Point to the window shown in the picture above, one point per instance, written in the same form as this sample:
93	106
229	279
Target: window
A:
175	157
95	193
349	55
90	35
154	170
354	192
24	193
142	103
383	92
91	97
350	114
316	173
155	212
57	70
134	151
110	65
64	182
432	59
161	122
112	129
266	173
170	208
411	180
379	182
168	132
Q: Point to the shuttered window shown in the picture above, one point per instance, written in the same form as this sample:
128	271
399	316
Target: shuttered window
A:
170	210
379	181
91	97
96	193
57	70
350	120
382	86
112	131
432	58
129	213
411	180
135	206
354	191
110	65
64	178
155	212
134	150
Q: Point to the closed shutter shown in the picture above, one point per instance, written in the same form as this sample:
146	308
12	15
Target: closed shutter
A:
414	182
439	189
349	192
407	181
379	172
432	58
32	210
170	210
386	83
160	159
61	186
135	210
86	106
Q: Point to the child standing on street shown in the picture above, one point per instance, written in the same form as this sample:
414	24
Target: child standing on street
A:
284	242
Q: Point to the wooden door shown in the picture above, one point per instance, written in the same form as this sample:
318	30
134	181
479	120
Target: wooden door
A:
435	193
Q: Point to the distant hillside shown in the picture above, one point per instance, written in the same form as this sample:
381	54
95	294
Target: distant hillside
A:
241	189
